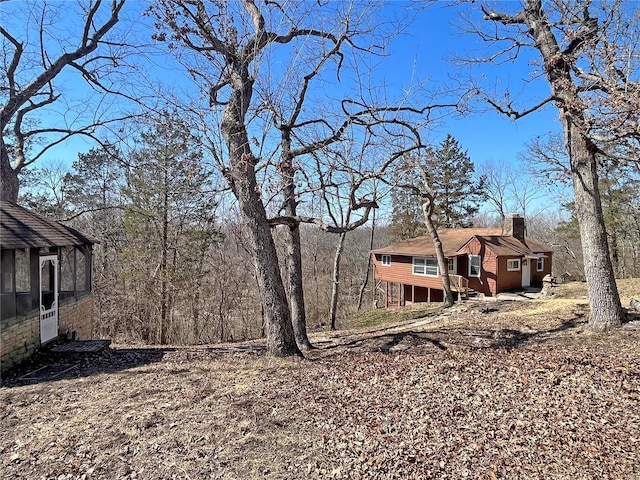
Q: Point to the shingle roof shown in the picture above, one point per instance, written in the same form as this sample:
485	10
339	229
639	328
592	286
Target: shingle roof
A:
22	228
506	245
453	239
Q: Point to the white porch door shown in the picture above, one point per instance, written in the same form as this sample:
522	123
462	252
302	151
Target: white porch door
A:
526	272
48	298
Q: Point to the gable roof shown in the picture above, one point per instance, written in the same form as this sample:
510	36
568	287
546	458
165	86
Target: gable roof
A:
23	228
454	239
502	245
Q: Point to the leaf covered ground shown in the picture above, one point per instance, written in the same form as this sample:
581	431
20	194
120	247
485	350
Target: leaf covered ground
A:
490	390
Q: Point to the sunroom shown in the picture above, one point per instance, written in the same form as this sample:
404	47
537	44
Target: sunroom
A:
45	283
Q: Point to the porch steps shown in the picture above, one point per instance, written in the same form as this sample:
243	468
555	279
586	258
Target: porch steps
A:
82	346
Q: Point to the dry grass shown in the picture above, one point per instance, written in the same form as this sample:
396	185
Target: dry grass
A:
628	288
485	390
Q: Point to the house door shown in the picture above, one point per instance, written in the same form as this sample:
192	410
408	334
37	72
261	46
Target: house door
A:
48	298
526	272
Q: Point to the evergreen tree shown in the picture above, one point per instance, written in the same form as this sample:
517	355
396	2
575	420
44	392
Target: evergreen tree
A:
170	225
457	193
407	220
94	193
618	186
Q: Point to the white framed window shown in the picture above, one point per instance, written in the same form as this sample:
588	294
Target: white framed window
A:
513	264
475	265
540	265
425	266
386	260
451	265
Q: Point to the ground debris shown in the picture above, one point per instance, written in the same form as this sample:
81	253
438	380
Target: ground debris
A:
515	396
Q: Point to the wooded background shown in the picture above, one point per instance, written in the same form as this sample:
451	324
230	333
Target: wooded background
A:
240	199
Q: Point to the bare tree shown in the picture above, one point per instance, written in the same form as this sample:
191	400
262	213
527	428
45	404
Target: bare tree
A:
227	42
35	51
510	191
580	58
324	157
412	169
292	120
428	207
230	49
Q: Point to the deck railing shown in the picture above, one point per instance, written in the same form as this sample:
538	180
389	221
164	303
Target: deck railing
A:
459	284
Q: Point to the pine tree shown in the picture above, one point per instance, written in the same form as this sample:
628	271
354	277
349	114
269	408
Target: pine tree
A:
169	222
407	220
457	193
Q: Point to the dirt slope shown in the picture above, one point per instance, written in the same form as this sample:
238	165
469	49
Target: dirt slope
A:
487	390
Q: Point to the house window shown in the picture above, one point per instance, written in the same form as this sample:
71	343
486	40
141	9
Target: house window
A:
513	264
386	260
425	266
451	265
67	269
23	271
540	266
81	271
475	262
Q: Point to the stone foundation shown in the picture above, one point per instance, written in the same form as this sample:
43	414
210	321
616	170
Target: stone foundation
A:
20	337
76	317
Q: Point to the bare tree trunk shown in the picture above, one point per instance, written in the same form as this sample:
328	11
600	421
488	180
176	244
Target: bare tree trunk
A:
279	330
296	292
336	279
8	176
427	209
365	282
293	248
604	300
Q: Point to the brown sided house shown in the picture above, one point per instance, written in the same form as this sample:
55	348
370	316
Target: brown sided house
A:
45	283
488	261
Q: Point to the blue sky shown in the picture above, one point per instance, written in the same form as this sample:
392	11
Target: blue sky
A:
487	135
419	54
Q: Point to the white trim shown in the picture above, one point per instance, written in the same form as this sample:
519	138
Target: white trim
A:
515	268
526	273
385	260
49	317
540	264
474	275
452	262
424	267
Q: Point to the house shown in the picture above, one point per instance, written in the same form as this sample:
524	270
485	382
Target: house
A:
484	260
45	283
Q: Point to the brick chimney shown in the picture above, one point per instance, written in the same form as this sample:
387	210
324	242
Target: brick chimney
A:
514	227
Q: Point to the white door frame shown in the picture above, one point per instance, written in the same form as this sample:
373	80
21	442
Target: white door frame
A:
49	317
526	272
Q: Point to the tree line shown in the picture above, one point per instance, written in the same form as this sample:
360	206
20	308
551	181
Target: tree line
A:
284	105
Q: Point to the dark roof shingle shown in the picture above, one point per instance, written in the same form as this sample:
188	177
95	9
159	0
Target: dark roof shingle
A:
23	228
453	239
